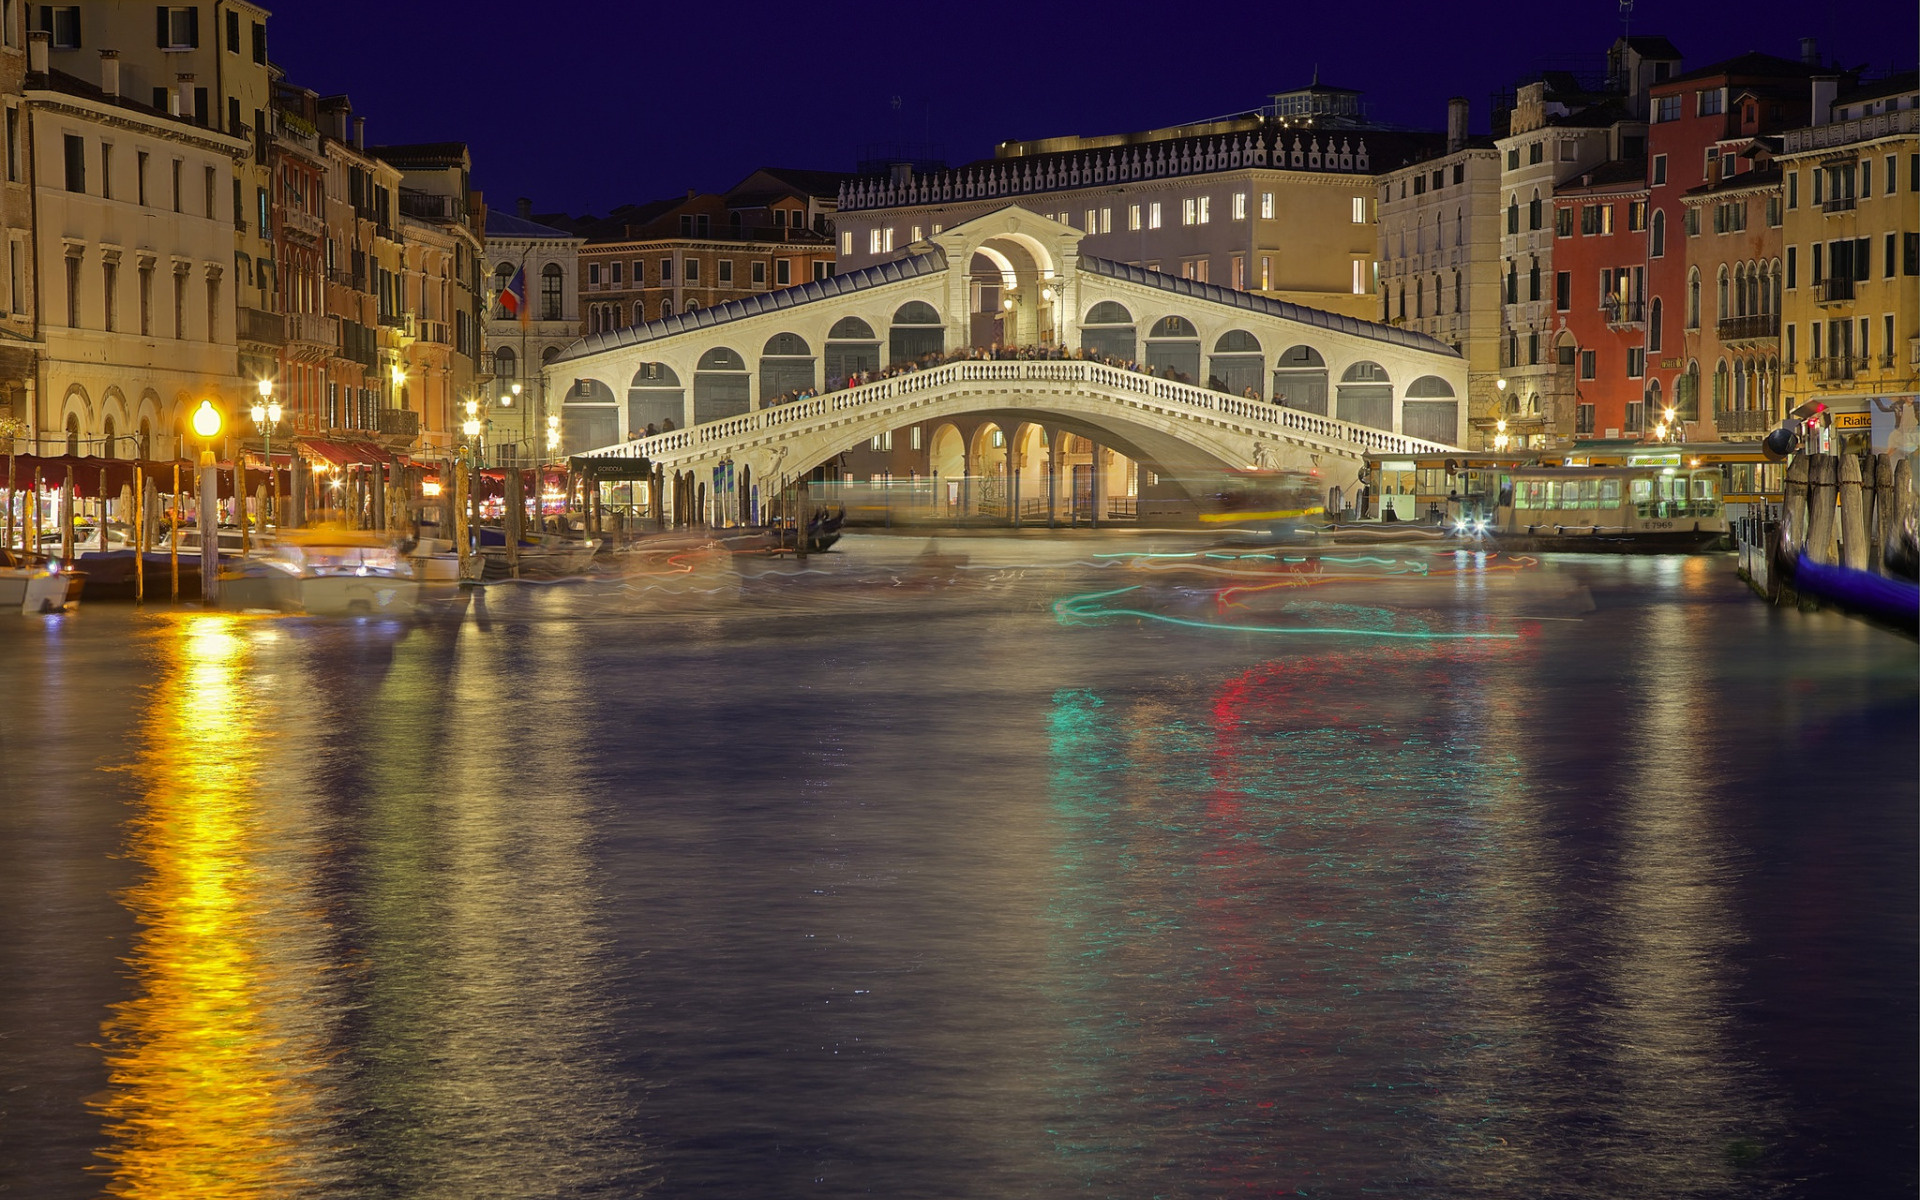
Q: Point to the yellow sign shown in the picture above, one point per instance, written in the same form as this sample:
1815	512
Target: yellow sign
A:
1852	421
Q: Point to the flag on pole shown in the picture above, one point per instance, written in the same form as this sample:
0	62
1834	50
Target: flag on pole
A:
514	299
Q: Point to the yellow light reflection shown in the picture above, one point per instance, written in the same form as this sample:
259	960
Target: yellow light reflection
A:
210	1090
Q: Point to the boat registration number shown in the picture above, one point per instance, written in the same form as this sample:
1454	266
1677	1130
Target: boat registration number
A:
1657	525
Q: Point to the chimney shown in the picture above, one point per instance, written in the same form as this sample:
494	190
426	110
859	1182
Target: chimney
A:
183	96
524	207
1809	52
1456	124
1825	89
359	133
37	43
110	72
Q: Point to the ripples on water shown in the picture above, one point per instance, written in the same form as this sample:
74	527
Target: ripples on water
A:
990	866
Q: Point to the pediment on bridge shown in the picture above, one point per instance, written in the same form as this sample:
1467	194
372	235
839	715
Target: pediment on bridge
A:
1053	245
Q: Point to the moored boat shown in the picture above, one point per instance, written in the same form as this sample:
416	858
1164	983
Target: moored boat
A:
29	589
1611	510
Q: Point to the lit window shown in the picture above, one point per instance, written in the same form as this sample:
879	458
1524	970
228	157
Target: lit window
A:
1093	222
1239	206
873	241
1359	210
1266	273
916	437
886	243
1186	211
916	234
1266	206
1206	209
1133	216
1153	215
1106	220
846	242
1359	278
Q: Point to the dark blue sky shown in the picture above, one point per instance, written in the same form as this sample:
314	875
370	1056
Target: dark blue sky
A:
586	105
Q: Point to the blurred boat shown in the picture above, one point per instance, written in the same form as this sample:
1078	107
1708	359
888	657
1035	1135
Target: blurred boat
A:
326	573
30	589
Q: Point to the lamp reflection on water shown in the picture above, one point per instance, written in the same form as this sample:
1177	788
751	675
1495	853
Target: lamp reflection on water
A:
212	1061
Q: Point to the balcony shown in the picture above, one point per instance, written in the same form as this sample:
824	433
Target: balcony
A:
262	328
436	332
399	422
1833	291
348	279
1860	129
313	329
1751	421
1623	314
425	206
1830	370
1837	204
401	321
1754	327
302	223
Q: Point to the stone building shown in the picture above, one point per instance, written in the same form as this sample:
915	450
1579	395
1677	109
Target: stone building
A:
1279	201
135	256
1439	221
1599	298
518	347
19	328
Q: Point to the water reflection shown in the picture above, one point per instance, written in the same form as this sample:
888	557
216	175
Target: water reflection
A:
216	1063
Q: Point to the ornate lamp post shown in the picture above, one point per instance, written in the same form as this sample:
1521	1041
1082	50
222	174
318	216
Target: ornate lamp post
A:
266	415
206	425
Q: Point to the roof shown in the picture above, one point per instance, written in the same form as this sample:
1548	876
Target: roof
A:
1752	64
510	225
1891	85
1216	294
1766	177
1652	46
912	267
1611	176
424	156
812	183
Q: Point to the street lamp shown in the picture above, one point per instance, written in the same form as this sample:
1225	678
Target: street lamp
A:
266	415
553	433
1500	438
206	425
471	427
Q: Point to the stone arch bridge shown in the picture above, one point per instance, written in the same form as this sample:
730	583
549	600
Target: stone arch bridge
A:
1183	376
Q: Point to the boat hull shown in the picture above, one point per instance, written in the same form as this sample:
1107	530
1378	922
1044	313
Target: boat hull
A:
1583	540
28	591
358	595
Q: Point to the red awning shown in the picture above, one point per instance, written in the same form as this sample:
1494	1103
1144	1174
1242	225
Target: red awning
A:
345	454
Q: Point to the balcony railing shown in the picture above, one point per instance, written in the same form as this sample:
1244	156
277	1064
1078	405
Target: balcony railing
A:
1748	421
313	329
1860	129
1752	327
399	422
299	220
400	321
1830	369
425	206
346	278
436	332
1623	312
267	328
1833	291
1834	204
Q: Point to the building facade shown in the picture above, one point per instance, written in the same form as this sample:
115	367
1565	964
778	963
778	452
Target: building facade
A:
1851	303
519	346
19	327
1439	222
1599	297
1280	201
135	254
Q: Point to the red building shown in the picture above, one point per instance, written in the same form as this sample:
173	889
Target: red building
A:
1600	296
1695	120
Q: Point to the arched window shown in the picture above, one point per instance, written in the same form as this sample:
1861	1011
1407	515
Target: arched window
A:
552	288
1419	298
1300	380
852	348
786	365
1459	226
1751	305
1108	330
666	309
1173	350
1653	326
1721	310
639	313
1438	307
1693	298
506	364
1237	365
1430	410
1513	281
1459	299
502	276
107	438
654	397
1533	278
73	434
1721	379
1513	213
1659	237
1533	210
1365	396
721	386
1775	275
1403	302
916	331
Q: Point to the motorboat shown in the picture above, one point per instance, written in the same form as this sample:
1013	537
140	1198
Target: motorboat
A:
326	573
539	555
1615	510
30	589
433	560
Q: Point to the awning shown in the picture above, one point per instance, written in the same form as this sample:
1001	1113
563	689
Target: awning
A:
344	454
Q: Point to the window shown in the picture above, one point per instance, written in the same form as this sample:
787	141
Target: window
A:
886	239
1359	210
1866	177
873	241
1106	221
1654	318
210	192
1533	211
63	22
179	304
179	28
1153	215
1658	242
1712	102
1187	211
1206	210
1890	255
1239	273
1637	216
1693	298
176	185
233	32
213	308
1536	152
1360	280
13	145
1513	214
1793	190
846	243
1636	362
1790	332
1563	291
1773	212
759	273
1793	266
76	163
110	295
1266	273
1659	169
782	272
1513	159
1266	206
1588	364
916	228
1889	173
692	270
1563	222
725	269
259	43
1533	279
146	299
1239	206
552	281
593	275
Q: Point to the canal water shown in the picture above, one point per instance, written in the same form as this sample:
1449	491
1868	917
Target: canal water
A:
991	866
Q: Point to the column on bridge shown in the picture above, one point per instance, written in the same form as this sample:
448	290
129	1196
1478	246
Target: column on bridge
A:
1095	481
1053	474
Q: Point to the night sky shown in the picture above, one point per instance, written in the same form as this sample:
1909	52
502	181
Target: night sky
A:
584	106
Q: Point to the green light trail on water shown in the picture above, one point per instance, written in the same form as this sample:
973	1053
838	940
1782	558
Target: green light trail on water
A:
1085	608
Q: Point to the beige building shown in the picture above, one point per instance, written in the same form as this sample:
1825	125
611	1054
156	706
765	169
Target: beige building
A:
518	349
19	331
1279	202
207	64
1850	310
135	257
1439	262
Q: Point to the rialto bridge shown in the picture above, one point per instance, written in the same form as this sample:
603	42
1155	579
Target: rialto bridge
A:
1181	376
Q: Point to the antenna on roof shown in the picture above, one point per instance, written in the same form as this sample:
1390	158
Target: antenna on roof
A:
1626	19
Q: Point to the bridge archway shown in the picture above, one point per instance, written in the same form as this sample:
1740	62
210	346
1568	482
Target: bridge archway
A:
655	397
721	386
1173	349
946	452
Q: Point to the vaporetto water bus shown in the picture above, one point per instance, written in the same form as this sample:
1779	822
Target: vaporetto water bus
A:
1621	510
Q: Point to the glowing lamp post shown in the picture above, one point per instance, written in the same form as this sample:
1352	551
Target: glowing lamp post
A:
266	414
1500	438
206	426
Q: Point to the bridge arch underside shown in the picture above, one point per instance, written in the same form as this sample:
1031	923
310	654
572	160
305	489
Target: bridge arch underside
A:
1185	453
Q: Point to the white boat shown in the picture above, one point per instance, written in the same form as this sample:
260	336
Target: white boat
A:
30	590
330	573
1617	510
433	561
